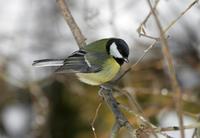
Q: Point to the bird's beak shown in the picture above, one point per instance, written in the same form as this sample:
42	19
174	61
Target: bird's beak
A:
126	60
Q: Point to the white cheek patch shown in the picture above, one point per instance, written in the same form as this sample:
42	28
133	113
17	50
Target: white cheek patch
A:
114	51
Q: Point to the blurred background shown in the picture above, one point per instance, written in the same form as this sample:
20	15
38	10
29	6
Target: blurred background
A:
37	103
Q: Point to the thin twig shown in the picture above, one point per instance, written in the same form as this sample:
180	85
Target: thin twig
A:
150	37
94	119
172	73
176	128
140	29
144	120
135	106
181	14
80	39
133	102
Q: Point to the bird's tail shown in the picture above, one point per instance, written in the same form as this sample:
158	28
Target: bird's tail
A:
48	62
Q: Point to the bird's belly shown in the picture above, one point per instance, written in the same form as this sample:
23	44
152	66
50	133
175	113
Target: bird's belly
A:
103	76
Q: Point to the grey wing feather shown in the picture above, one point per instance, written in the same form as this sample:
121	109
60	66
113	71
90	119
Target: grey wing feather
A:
48	62
77	62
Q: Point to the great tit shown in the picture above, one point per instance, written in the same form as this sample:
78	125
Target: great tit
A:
95	64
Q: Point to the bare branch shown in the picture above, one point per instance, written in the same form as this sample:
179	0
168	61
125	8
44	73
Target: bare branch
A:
80	39
181	14
94	119
175	128
141	31
150	37
112	103
144	120
172	73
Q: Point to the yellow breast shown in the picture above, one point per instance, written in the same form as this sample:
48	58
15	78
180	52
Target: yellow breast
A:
106	74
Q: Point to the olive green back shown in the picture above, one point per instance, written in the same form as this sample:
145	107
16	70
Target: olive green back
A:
97	53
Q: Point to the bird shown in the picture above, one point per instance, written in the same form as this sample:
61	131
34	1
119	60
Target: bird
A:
95	64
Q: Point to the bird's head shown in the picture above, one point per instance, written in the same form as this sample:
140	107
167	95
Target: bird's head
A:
119	49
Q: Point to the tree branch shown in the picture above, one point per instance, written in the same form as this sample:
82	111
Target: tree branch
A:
181	14
172	73
121	120
141	31
79	37
175	128
94	119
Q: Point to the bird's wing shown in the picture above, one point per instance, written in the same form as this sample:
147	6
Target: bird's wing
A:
79	62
